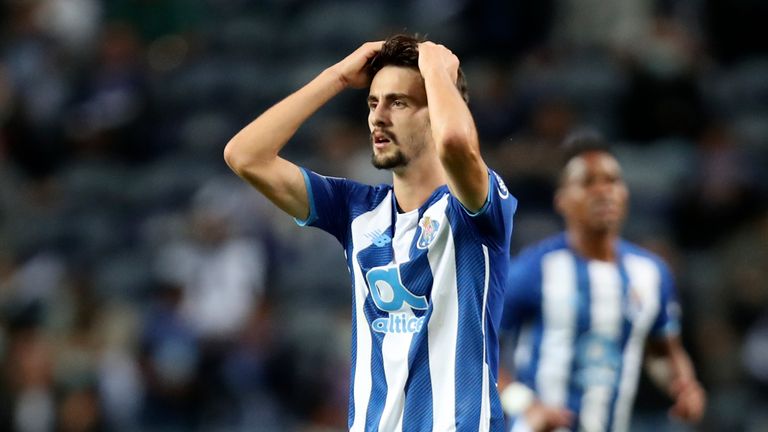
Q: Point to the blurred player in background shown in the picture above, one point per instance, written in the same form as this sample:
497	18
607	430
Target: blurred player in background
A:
584	304
427	255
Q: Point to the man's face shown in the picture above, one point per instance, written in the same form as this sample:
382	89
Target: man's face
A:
593	194
398	117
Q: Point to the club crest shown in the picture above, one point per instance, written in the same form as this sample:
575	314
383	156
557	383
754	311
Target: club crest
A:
428	232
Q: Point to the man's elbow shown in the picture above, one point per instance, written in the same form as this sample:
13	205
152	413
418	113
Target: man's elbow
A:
232	157
457	148
238	160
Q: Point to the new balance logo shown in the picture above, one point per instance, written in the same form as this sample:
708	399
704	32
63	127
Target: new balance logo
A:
378	238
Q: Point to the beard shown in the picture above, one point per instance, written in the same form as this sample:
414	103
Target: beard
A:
396	158
389	161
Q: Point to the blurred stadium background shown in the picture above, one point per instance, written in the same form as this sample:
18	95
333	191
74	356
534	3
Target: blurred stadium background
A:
143	287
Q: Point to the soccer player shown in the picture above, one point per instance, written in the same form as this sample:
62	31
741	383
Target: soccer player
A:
583	304
427	255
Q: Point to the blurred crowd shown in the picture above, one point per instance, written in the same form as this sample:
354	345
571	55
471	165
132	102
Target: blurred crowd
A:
143	287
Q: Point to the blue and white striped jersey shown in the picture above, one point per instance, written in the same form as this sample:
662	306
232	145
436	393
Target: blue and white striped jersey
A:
428	289
582	326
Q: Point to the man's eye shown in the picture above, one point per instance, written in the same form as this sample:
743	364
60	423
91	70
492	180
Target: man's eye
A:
398	103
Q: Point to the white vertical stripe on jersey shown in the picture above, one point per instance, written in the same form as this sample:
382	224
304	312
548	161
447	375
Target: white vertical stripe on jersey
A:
645	281
394	351
605	291
405	229
485	402
560	303
445	322
395	347
606	321
380	218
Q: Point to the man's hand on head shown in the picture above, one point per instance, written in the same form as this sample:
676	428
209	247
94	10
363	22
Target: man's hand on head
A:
432	55
352	71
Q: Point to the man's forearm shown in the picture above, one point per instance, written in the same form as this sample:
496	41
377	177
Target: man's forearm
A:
667	362
450	118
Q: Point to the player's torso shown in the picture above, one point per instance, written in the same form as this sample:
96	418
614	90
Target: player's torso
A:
419	291
594	319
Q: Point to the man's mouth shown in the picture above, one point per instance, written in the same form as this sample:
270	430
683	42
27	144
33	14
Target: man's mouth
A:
605	208
380	139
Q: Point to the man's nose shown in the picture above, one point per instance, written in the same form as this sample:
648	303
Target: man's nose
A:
603	187
380	115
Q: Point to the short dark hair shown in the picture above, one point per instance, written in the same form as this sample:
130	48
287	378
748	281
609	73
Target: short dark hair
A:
403	50
579	142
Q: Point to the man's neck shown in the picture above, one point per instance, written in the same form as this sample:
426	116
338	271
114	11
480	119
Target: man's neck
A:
414	184
599	246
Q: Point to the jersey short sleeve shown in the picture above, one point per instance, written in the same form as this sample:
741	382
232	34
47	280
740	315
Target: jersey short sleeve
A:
328	205
668	320
523	291
493	222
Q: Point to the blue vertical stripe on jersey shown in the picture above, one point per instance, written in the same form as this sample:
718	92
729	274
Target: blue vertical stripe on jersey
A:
583	324
469	343
353	364
494	305
498	423
528	374
626	331
417	413
379	385
417	277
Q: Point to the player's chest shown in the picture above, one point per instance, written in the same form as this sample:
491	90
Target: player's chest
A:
401	238
601	298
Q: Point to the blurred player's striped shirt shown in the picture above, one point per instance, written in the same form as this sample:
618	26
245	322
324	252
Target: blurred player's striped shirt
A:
583	325
428	291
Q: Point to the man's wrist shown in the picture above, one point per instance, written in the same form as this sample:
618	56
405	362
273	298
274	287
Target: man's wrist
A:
435	72
516	398
336	79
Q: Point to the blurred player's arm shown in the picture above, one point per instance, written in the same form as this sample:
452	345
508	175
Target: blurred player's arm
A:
453	128
670	367
519	401
522	298
253	152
